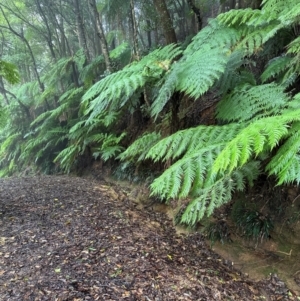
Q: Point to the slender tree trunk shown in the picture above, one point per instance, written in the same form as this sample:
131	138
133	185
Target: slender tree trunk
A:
3	91
165	21
49	33
149	39
135	32
81	30
197	13
101	35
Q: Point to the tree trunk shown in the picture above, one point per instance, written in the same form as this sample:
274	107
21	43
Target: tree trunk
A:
101	35
135	32
81	31
165	21
197	13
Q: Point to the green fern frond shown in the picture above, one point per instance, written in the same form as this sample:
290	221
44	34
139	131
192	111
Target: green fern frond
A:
79	59
178	180
248	102
57	71
198	148
263	134
290	15
110	147
165	92
216	35
117	88
237	17
67	157
217	193
140	147
203	63
189	140
235	73
278	6
10	142
71	94
200	71
275	67
119	50
254	40
89	72
9	72
286	163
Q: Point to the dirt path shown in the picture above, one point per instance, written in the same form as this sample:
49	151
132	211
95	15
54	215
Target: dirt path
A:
64	238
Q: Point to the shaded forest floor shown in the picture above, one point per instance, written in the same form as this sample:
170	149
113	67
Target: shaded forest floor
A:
64	238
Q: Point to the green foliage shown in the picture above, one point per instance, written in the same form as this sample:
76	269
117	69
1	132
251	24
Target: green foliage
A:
9	72
252	102
90	135
201	65
217	231
138	150
252	223
115	90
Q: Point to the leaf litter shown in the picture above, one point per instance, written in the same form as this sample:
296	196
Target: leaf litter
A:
66	238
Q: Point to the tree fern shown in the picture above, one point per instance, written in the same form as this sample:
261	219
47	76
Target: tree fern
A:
202	64
285	163
138	150
252	102
190	140
276	67
117	88
262	135
235	73
219	192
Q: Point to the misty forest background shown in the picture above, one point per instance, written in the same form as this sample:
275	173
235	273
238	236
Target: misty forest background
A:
203	94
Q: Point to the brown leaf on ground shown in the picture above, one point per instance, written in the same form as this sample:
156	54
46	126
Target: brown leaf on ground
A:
65	238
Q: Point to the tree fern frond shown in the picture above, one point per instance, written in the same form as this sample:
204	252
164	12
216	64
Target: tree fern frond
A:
140	147
190	140
252	102
234	73
110	147
275	67
67	157
201	70
119	86
216	35
178	179
290	15
10	142
278	6
40	118
57	71
237	17
209	198
9	72
202	64
165	92
70	94
285	164
219	192
294	104
263	134
254	39
119	50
